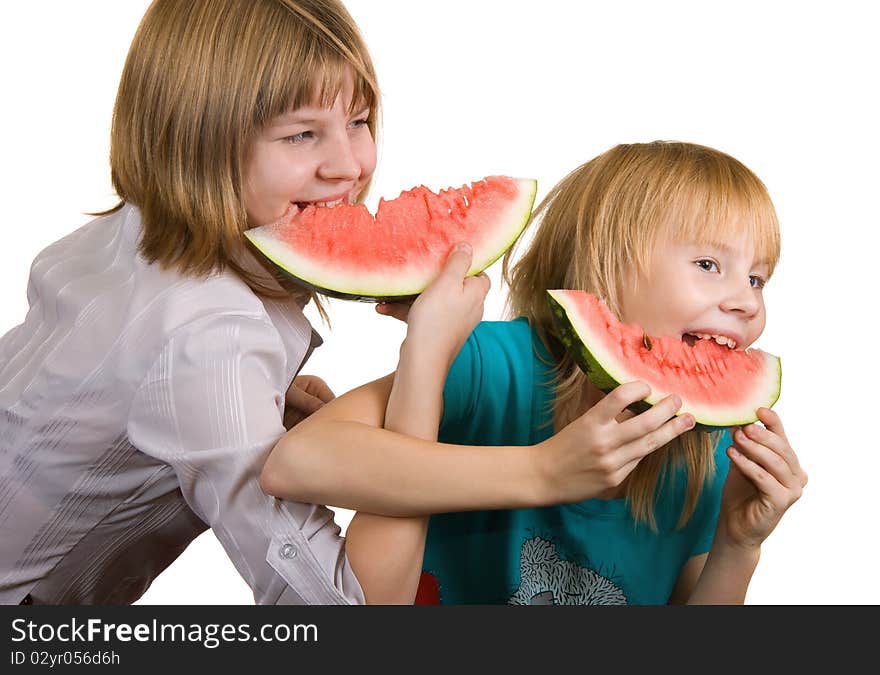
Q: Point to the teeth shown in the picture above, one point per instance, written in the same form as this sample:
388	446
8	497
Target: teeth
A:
326	204
720	339
304	205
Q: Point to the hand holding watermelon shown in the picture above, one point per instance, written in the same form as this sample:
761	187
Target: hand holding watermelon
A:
596	452
765	478
449	309
400	310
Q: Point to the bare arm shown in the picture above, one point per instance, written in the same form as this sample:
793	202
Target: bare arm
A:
414	408
719	579
341	456
764	480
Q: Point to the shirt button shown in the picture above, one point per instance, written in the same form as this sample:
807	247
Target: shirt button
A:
287	551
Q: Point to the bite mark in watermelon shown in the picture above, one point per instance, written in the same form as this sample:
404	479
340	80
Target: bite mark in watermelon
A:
346	252
719	386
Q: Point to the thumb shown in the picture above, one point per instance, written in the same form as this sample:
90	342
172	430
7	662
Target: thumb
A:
459	261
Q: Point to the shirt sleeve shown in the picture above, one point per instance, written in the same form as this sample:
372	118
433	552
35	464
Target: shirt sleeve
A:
211	407
710	500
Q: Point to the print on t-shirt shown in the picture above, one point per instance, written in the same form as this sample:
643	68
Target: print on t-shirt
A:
546	579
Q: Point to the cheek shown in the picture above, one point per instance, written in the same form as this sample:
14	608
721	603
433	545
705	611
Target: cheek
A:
254	181
270	185
760	321
264	200
674	307
365	151
641	307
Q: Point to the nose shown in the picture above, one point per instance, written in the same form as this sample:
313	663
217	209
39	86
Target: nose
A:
340	160
743	299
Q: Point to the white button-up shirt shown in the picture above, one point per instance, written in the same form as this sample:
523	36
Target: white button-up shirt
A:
136	409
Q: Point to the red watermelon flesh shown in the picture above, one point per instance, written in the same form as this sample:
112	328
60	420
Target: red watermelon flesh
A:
719	386
344	251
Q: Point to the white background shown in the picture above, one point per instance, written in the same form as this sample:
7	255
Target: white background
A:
478	87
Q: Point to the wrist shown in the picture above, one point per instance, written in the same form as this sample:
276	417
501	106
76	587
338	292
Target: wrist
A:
516	482
540	486
422	358
741	555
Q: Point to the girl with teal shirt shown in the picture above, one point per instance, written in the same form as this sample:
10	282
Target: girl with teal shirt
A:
500	391
676	237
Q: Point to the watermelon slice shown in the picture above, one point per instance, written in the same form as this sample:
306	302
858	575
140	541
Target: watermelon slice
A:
719	386
345	252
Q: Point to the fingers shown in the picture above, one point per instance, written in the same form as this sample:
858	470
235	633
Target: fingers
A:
771	439
458	264
308	394
607	409
765	482
654	440
773	424
304	401
772	421
456	269
644	433
764	457
479	285
397	310
647	432
653	418
772	454
314	385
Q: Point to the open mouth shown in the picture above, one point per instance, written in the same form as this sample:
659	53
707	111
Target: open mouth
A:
693	338
322	204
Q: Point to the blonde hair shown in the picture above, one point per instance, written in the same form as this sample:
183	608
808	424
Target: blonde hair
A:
201	79
609	213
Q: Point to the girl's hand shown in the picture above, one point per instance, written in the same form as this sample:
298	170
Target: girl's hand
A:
398	310
765	478
445	314
596	452
306	394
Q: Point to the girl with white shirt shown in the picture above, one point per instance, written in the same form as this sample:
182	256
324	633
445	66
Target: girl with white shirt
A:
153	369
156	366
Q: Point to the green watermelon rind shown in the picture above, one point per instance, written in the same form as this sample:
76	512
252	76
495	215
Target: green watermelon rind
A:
526	200
603	380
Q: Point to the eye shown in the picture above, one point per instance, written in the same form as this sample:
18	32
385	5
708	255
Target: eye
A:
707	265
360	122
296	139
757	282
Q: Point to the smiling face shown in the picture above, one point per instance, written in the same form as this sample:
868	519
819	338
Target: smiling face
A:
699	291
311	155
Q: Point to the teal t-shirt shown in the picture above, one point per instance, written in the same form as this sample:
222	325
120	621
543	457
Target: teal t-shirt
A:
591	552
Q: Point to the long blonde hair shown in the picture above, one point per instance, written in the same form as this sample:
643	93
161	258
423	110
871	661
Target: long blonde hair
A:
202	77
607	214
